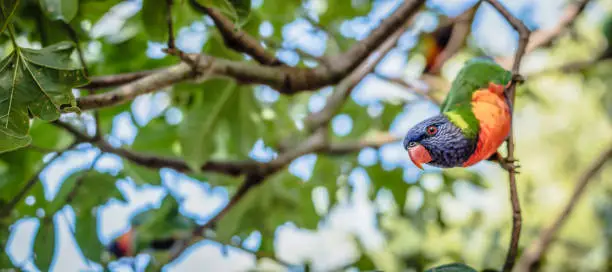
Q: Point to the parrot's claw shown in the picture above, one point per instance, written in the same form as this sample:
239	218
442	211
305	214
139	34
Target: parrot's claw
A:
518	78
510	165
507	164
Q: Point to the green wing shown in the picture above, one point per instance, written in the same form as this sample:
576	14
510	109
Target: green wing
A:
476	74
607	30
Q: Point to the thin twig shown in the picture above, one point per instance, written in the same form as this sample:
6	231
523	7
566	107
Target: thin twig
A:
110	81
316	142
172	49
534	253
524	33
232	168
250	182
345	87
170	25
546	36
236	38
427	94
75	39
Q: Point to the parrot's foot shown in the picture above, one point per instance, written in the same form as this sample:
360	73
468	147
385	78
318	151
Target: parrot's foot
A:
518	78
510	165
507	164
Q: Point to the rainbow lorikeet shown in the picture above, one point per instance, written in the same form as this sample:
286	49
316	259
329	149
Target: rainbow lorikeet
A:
153	230
474	119
434	44
607	31
126	245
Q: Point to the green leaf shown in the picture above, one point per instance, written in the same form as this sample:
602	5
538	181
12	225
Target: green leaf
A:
93	10
243	10
86	190
46	135
16	168
36	82
237	10
64	10
392	180
282	198
141	174
197	130
454	267
156	138
165	222
279	12
278	124
365	263
344	9
241	118
326	173
44	244
10	141
389	114
86	235
5	261
154	19
8	10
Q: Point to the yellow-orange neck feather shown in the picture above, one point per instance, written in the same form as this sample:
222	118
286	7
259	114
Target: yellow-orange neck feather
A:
493	113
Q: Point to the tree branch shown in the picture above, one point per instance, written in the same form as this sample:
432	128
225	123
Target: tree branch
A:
537	249
235	168
288	80
427	94
236	38
316	142
345	87
231	168
138	87
545	36
110	81
171	45
313	144
75	39
524	33
249	182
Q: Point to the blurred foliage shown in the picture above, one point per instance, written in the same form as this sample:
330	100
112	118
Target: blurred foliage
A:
435	219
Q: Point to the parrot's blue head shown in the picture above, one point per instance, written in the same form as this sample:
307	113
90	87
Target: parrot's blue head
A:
438	142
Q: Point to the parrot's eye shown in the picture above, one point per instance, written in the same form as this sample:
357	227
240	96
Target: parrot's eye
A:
431	130
412	144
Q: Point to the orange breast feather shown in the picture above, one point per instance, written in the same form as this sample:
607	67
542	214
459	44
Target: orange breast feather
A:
491	109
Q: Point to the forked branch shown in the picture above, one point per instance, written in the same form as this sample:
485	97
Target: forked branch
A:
524	33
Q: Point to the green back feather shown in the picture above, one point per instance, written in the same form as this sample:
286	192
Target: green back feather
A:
607	30
476	74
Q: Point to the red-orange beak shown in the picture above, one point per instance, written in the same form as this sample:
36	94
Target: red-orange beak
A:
419	155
